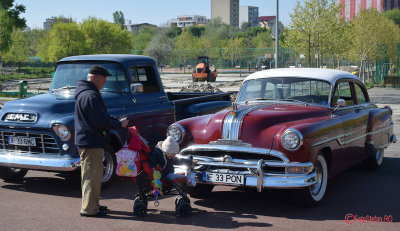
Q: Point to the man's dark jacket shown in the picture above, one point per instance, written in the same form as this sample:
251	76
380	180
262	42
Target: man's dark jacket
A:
91	117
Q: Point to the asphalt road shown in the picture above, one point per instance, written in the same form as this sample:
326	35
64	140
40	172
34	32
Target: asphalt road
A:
46	201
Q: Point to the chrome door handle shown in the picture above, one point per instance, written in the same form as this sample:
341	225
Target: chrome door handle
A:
162	97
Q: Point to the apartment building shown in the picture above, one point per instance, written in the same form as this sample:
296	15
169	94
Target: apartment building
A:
227	10
188	20
248	14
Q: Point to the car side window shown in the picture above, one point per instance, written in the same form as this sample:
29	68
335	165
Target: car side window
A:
361	98
146	76
343	91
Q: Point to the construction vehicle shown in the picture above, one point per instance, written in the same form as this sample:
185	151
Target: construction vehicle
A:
203	71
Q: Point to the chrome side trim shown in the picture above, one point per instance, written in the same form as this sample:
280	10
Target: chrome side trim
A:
352	140
228	148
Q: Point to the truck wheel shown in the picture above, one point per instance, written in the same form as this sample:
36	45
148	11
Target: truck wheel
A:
109	163
12	174
375	162
312	196
199	191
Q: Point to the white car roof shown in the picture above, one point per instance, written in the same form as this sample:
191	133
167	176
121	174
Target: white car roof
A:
329	75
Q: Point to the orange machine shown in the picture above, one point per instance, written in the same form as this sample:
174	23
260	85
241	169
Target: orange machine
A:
203	72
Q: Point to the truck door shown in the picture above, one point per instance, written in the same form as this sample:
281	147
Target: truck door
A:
154	112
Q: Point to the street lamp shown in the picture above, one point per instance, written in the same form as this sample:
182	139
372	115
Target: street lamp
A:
277	36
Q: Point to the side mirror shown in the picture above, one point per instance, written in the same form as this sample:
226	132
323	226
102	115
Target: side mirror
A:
136	87
341	103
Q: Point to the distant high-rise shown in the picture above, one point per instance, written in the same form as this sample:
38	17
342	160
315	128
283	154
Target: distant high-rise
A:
352	7
227	10
248	14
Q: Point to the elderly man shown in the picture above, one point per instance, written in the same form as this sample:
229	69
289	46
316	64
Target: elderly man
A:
91	120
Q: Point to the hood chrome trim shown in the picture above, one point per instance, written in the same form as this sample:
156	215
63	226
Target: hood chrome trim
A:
231	127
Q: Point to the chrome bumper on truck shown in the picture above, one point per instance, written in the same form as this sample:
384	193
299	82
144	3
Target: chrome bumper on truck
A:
43	154
225	165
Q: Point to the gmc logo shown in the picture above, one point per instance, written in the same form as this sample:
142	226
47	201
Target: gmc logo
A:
20	117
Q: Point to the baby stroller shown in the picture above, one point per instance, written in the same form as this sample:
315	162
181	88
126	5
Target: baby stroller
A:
147	184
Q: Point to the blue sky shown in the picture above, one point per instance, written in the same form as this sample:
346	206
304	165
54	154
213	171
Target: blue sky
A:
156	12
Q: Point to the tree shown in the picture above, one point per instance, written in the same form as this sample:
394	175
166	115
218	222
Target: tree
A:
65	40
14	12
393	15
372	37
313	28
18	51
119	18
105	37
160	47
6	29
142	38
34	37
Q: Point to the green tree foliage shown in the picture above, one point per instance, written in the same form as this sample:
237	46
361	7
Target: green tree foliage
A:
119	18
173	31
160	47
105	38
372	37
18	51
6	30
14	12
313	29
142	38
393	15
34	37
65	40
196	30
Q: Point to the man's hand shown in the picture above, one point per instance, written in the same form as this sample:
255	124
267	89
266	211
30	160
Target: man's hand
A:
124	122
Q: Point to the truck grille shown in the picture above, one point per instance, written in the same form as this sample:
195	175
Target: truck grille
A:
44	143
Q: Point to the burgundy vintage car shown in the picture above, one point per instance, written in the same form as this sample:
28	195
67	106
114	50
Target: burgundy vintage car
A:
289	128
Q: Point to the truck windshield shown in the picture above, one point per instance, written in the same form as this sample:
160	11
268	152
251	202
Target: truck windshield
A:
68	74
286	89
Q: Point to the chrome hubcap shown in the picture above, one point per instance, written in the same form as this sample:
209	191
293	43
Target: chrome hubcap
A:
317	187
107	166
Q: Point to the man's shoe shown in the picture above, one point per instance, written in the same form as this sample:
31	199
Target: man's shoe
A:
103	208
99	214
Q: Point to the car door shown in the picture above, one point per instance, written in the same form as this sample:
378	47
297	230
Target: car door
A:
354	118
153	111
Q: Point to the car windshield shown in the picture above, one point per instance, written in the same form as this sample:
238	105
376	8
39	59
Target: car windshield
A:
285	89
67	75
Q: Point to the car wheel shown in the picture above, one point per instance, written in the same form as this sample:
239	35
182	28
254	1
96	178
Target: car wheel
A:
374	162
313	195
12	174
199	191
109	164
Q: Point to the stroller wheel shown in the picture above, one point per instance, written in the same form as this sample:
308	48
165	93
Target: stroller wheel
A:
140	207
183	209
180	199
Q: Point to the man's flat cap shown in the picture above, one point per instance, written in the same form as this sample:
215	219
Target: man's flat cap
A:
99	70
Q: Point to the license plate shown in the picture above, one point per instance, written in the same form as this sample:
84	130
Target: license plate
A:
22	141
232	179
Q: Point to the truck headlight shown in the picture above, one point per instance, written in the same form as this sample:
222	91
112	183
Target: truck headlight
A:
292	139
177	132
62	131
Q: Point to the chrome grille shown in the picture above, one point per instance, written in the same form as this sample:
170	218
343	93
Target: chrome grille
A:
44	143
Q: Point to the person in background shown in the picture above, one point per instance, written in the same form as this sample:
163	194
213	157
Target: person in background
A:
91	123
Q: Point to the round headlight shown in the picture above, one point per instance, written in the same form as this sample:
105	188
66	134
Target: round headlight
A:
292	139
177	132
62	131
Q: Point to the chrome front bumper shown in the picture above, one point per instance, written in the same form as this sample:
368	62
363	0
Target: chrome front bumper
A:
43	161
252	170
